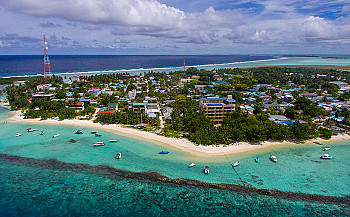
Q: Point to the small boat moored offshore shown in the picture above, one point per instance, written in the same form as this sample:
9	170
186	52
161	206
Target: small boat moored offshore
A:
57	135
93	132
119	155
78	132
236	164
42	133
273	158
257	160
326	156
31	130
114	140
72	140
99	144
163	152
317	142
206	170
326	149
192	165
18	134
98	134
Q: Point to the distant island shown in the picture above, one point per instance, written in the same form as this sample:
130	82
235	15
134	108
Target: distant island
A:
341	58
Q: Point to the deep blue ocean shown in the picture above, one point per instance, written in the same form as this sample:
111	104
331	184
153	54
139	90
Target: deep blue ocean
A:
19	65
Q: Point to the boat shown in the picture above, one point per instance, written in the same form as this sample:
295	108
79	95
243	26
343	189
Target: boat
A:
273	158
119	155
72	140
114	140
42	132
163	152
326	156
326	149
236	164
78	132
192	165
317	142
18	134
57	135
31	130
99	144
257	160
206	170
28	129
93	132
98	134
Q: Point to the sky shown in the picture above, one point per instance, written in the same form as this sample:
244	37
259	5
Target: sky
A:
175	27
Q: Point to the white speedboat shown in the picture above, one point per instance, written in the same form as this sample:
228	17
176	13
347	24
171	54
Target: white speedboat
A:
31	130
114	140
206	170
42	133
192	165
18	134
236	164
99	144
326	156
57	135
273	158
119	155
326	149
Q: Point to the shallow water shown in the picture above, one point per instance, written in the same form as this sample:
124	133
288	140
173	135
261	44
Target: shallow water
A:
299	169
31	190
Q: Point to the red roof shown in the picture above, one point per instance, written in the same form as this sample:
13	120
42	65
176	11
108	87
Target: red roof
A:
104	112
80	103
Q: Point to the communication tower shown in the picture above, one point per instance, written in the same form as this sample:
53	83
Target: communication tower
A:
184	65
47	65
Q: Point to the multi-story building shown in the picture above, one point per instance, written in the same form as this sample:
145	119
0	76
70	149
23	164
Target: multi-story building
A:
217	108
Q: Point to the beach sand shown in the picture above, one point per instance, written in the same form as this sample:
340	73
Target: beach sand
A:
180	144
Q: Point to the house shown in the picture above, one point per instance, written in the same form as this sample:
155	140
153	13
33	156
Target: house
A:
42	96
339	83
220	82
112	107
138	107
257	87
77	106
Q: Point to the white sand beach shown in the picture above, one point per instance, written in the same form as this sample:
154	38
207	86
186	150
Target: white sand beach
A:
181	144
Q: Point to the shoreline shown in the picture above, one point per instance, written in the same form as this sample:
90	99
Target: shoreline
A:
182	144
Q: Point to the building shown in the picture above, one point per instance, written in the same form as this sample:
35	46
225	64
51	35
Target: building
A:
139	107
112	107
43	96
77	106
217	108
339	83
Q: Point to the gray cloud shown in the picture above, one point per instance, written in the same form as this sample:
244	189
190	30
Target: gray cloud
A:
49	25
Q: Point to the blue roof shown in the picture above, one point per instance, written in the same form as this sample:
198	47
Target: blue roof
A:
96	90
212	99
138	103
221	82
101	109
231	100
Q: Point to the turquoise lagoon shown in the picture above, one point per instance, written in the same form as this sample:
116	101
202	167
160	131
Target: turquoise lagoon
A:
31	190
299	169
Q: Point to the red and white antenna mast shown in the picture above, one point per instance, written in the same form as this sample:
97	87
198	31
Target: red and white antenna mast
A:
47	65
184	65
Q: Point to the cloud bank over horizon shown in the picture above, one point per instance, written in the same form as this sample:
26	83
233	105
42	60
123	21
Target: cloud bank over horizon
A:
172	27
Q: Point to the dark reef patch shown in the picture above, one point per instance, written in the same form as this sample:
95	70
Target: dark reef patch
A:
110	172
